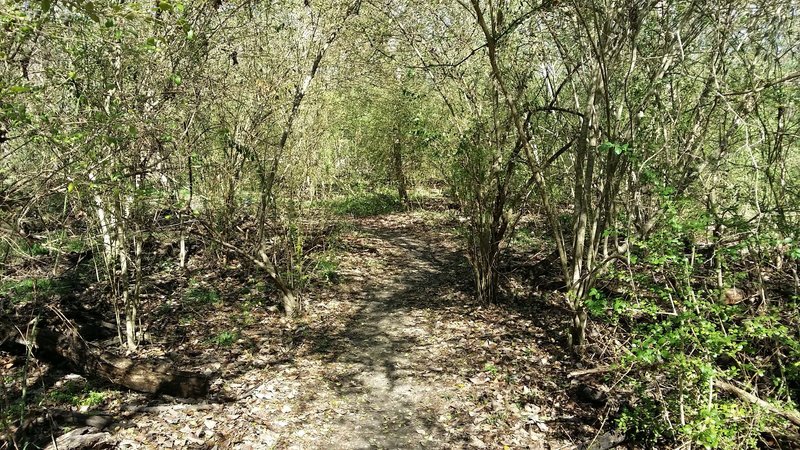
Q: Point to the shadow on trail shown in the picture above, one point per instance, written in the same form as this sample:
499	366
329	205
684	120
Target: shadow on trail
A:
390	349
418	279
379	355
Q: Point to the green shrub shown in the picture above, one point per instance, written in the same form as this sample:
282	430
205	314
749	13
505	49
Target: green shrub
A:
675	360
684	339
92	398
76	393
200	297
36	249
225	338
326	269
367	204
22	291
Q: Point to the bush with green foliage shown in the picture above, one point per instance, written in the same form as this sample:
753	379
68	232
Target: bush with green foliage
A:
76	394
367	204
684	337
28	289
225	338
199	297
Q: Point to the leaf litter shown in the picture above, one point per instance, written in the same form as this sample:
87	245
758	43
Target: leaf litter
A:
394	355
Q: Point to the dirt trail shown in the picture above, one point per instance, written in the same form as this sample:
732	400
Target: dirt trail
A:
373	380
394	354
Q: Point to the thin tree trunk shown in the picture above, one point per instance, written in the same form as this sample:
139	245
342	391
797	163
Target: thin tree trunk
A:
576	338
301	89
292	306
105	226
182	255
110	254
399	173
137	285
187	210
129	302
486	277
124	279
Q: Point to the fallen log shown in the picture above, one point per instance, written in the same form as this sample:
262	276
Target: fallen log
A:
174	407
780	439
580	373
604	442
85	438
791	416
142	376
100	421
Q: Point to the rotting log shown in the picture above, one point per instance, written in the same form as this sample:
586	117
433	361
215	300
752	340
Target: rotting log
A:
791	416
84	438
141	376
601	369
604	442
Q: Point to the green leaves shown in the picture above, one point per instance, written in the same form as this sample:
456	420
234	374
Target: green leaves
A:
165	6
13	90
151	44
88	8
702	342
46	5
617	148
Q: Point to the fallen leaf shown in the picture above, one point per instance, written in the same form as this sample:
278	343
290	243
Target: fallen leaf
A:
480	378
475	442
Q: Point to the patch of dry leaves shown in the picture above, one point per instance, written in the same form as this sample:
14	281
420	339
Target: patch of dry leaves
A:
395	355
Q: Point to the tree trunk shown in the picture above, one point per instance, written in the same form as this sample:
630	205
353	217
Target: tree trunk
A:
128	302
142	376
484	257
399	174
292	306
485	281
105	226
577	331
137	287
576	298
182	255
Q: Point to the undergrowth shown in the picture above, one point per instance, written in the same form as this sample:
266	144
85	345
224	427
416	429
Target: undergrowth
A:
366	204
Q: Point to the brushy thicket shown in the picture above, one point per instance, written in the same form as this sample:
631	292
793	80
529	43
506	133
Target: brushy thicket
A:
678	334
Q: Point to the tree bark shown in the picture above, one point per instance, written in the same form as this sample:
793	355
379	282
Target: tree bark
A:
292	306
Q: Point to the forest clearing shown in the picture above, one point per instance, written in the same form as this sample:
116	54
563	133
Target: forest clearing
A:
380	224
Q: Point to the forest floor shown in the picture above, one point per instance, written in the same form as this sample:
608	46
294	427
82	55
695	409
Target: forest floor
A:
393	354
